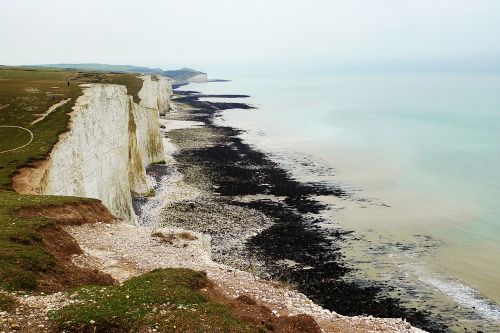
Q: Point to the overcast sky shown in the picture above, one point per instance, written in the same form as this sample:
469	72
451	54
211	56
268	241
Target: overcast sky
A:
207	34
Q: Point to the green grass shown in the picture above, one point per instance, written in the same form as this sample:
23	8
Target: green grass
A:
22	255
10	201
12	137
21	252
131	81
7	302
164	299
25	95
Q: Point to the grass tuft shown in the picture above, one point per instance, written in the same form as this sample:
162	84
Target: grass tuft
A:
187	236
172	237
7	302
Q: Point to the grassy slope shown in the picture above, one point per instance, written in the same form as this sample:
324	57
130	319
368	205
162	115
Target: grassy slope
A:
164	299
26	94
22	255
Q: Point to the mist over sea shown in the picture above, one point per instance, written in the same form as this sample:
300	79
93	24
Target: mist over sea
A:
420	153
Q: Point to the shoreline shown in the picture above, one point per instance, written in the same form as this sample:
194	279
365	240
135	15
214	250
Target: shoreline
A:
218	163
331	119
380	257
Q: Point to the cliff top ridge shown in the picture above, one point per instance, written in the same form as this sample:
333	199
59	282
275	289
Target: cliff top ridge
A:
178	75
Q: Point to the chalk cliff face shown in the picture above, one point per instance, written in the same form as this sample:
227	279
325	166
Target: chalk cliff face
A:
111	141
199	78
155	93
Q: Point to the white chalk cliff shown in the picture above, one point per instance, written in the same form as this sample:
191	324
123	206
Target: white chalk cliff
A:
155	93
111	141
199	78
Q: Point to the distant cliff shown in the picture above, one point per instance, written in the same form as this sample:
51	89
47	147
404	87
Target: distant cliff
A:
184	74
199	78
111	141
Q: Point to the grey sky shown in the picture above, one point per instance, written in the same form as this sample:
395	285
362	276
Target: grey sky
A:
215	33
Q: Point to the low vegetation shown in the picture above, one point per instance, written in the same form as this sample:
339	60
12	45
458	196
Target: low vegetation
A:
22	255
131	81
172	237
166	300
7	302
26	94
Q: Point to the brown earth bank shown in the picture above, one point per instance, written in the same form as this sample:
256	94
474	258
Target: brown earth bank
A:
30	314
91	211
66	275
26	180
248	310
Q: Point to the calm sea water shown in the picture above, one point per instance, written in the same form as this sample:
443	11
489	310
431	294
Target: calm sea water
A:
421	152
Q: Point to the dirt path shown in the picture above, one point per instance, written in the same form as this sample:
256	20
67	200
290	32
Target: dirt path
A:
52	108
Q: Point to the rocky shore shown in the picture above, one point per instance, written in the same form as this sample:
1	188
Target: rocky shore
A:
261	219
216	185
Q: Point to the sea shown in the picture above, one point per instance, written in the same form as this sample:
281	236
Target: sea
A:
419	154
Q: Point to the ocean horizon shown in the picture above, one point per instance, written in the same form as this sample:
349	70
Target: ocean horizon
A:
419	154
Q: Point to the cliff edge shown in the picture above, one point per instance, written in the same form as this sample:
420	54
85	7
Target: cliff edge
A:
110	142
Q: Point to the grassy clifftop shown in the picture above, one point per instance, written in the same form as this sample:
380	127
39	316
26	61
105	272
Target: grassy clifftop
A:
26	94
27	134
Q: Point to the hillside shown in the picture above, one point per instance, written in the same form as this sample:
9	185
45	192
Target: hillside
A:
179	75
